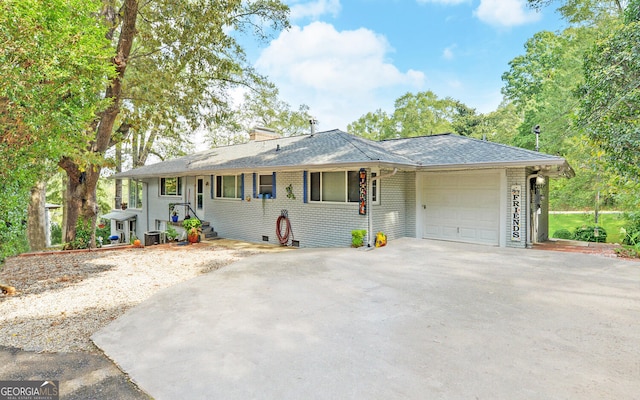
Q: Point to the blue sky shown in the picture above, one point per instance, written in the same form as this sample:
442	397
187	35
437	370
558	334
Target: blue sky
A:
344	58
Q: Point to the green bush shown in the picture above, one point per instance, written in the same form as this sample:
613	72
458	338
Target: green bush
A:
563	234
588	234
83	236
357	237
103	233
631	230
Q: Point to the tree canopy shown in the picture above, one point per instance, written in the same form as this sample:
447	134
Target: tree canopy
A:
610	95
54	57
175	62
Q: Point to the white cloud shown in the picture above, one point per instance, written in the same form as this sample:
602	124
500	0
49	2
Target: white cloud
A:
340	75
505	13
447	53
314	9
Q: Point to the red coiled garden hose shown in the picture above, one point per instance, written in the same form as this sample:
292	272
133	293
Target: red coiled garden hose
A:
283	237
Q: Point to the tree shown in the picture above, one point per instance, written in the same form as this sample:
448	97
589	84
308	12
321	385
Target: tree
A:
262	107
610	95
53	59
418	114
174	63
584	11
500	126
377	125
423	114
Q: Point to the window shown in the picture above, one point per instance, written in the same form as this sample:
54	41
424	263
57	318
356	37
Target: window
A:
343	186
229	186
135	193
375	189
170	186
266	185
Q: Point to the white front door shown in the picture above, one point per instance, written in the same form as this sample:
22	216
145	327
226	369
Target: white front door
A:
461	206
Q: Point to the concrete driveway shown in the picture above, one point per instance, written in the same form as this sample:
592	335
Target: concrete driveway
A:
417	319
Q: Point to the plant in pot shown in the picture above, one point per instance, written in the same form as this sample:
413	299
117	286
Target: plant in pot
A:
357	237
192	225
174	212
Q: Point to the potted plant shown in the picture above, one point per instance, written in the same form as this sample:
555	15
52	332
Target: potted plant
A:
357	237
192	225
174	212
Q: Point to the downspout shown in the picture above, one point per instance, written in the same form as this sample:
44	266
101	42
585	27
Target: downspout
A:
370	240
146	203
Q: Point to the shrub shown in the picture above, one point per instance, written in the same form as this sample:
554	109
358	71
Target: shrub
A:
563	234
357	237
588	234
83	235
631	230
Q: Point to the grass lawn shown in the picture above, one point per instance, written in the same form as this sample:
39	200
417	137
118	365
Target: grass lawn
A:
610	222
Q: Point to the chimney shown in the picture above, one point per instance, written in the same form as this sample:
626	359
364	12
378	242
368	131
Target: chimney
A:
258	134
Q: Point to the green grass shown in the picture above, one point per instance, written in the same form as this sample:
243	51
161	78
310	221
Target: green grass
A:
610	222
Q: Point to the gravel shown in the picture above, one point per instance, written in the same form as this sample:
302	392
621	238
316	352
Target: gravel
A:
63	298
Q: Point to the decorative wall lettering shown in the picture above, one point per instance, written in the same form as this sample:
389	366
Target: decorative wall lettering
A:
516	213
363	192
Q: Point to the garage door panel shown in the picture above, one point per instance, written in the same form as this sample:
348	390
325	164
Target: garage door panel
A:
462	207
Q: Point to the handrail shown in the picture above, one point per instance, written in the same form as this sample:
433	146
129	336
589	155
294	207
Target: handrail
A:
188	204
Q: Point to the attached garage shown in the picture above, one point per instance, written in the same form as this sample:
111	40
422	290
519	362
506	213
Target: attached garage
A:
461	206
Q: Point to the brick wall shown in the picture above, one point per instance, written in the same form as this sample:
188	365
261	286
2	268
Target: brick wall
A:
313	224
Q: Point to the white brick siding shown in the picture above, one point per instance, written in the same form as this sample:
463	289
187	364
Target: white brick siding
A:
317	224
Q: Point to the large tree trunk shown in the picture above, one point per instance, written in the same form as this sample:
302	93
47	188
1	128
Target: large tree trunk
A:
36	223
83	178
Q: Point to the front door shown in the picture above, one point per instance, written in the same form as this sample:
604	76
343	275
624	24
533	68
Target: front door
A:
199	195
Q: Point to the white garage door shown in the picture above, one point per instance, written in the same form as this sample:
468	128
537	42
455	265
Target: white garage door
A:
463	207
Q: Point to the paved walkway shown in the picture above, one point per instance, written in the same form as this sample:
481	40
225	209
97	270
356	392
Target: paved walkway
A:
416	319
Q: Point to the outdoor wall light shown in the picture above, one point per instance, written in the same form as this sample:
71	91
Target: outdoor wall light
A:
540	180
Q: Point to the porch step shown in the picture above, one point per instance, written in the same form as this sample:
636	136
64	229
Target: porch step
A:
207	230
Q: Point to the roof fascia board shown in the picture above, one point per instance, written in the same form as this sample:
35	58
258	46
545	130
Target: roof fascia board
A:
291	168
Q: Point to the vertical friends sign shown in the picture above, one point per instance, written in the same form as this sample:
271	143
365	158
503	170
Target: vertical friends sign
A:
362	209
516	213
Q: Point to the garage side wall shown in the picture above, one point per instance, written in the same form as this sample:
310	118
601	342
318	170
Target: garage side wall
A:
517	177
391	216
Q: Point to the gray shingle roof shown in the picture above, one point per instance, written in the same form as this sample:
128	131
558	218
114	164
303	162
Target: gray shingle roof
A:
337	148
454	150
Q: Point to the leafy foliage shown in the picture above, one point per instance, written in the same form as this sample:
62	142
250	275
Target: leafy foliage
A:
590	234
419	114
83	236
611	97
260	107
631	230
357	237
53	60
563	234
